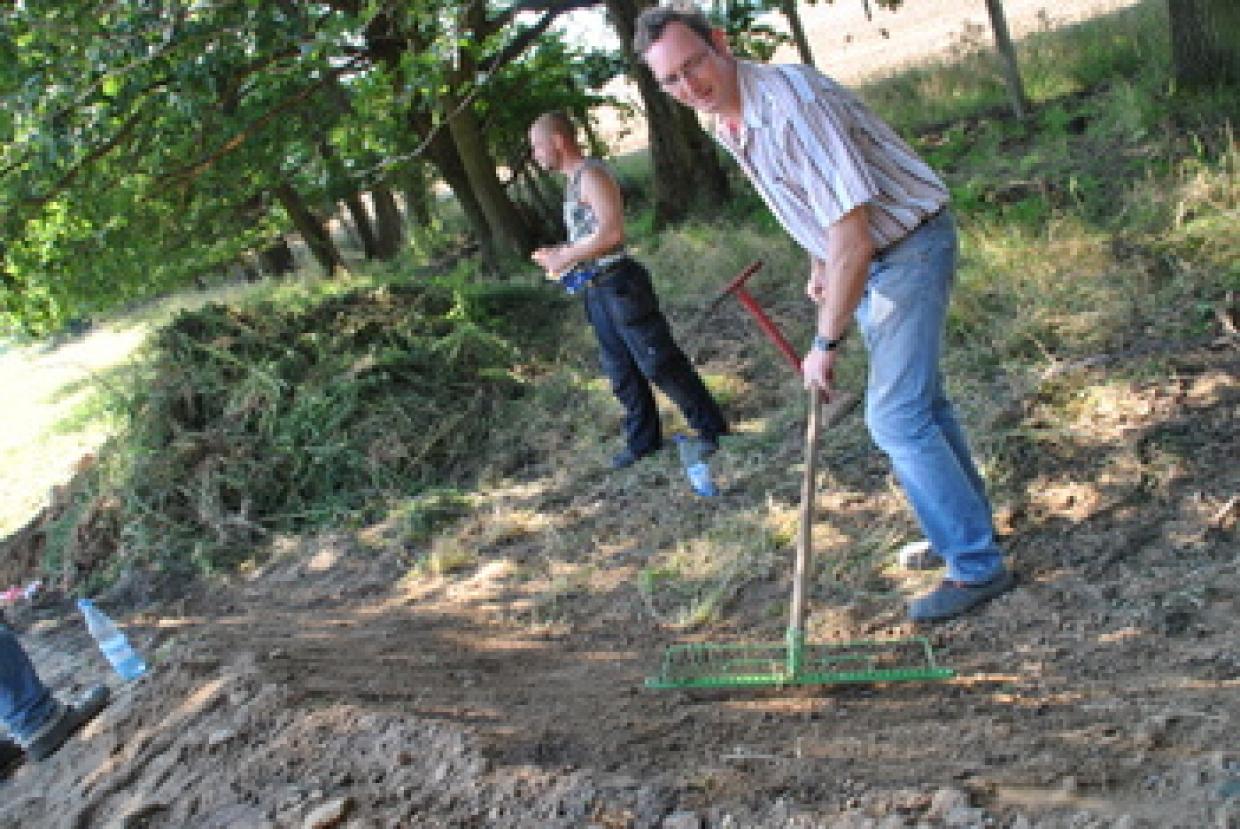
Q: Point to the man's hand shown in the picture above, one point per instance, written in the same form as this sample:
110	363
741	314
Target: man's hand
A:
818	370
551	260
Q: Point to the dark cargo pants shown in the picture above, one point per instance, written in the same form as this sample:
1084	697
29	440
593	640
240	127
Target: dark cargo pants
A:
637	349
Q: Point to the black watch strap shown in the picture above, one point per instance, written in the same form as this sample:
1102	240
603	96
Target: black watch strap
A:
822	343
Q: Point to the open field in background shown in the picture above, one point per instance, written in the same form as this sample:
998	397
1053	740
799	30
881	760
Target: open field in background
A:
855	50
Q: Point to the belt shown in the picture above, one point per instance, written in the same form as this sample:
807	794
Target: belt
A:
925	220
607	267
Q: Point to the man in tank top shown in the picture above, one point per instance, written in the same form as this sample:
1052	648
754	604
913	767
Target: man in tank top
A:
635	340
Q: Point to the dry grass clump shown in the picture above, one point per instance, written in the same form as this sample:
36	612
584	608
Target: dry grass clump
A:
268	418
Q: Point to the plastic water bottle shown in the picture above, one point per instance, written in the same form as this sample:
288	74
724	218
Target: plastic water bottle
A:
112	641
692	458
699	479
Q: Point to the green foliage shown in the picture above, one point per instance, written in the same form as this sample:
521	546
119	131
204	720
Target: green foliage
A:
138	149
266	418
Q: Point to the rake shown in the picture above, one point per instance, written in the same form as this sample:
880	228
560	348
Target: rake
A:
793	661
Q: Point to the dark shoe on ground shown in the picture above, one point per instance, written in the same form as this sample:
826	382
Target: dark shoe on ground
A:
11	756
919	555
952	598
626	457
66	722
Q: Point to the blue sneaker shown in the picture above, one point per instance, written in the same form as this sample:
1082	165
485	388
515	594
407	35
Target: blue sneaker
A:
952	598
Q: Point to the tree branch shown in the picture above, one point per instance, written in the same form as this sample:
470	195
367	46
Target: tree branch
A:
205	163
90	158
519	44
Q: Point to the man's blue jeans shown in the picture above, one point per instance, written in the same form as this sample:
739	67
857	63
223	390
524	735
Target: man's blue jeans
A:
902	317
25	702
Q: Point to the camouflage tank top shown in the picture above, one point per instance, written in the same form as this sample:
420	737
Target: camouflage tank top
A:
579	217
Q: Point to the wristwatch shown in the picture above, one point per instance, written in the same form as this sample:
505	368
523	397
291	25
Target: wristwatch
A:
822	343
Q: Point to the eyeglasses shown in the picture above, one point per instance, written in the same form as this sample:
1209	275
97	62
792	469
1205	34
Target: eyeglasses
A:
688	69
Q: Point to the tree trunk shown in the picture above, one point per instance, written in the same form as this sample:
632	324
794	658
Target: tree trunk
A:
685	161
443	153
789	8
417	191
548	204
1007	54
388	219
311	229
361	221
277	258
512	236
1205	42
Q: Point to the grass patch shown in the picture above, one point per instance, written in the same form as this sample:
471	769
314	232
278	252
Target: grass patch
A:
331	407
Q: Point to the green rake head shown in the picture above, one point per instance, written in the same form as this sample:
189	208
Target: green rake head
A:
794	663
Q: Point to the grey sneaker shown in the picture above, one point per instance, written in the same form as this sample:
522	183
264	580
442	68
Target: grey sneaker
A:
952	598
67	720
919	555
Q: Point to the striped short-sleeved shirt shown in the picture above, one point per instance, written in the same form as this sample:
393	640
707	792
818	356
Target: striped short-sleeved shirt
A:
815	152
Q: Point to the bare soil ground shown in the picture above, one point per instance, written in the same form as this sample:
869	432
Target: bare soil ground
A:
325	688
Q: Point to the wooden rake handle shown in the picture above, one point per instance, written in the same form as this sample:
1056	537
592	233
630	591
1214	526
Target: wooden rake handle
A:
841	403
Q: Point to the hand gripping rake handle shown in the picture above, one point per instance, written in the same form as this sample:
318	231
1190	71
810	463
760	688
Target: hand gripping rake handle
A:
840	404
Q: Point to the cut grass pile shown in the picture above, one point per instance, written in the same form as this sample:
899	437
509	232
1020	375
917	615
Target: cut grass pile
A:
250	420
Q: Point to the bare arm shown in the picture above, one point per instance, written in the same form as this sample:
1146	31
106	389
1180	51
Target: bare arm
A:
600	191
836	285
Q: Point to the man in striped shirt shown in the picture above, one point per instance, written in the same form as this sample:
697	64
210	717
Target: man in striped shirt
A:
882	248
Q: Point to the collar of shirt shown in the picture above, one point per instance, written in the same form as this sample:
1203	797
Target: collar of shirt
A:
751	110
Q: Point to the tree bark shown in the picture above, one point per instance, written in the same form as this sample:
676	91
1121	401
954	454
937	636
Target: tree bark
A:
443	153
512	235
361	221
1007	55
1205	42
417	191
789	8
277	258
388	220
311	229
548	204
